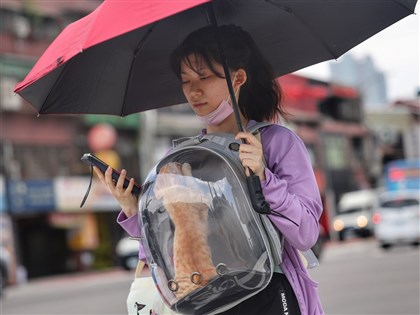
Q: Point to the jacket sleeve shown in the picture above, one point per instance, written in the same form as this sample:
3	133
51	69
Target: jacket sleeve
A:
131	226
290	187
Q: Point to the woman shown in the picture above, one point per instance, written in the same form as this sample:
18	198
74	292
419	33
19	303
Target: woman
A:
279	160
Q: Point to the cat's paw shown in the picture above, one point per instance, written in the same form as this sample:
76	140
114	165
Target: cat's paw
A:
186	169
171	168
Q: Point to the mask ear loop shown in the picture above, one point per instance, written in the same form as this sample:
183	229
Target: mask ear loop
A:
89	187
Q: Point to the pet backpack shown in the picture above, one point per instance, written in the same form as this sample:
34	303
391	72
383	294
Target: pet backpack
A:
206	247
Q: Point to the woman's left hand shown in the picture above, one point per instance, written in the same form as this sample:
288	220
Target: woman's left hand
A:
251	154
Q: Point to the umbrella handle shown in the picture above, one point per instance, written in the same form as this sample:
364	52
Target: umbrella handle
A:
256	195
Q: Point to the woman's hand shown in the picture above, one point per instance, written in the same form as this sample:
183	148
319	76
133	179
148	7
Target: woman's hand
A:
251	154
124	197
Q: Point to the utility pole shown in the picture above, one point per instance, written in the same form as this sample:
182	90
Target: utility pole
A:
147	135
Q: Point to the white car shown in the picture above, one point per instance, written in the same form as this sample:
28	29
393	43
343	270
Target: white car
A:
127	250
397	220
354	214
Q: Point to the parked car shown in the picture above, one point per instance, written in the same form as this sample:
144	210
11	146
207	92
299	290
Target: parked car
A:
127	250
355	210
397	219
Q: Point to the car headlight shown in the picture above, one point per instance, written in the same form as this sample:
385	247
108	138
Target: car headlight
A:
362	221
338	225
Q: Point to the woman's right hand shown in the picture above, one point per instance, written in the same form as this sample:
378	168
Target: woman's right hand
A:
124	197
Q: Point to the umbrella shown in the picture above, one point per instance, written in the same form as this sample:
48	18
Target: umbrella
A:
115	60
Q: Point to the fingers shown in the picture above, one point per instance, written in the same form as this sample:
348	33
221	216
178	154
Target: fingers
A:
108	177
251	154
252	146
121	179
124	197
249	138
252	149
130	185
99	174
117	187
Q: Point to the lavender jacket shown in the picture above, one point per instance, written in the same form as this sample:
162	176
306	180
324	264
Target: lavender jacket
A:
290	189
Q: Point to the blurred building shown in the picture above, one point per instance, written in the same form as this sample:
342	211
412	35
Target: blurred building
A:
42	178
412	138
363	75
330	120
397	130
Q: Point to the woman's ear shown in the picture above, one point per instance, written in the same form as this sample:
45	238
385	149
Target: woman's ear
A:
239	78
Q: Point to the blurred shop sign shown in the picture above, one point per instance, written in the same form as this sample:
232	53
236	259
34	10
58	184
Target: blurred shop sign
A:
69	192
30	196
3	199
402	174
127	122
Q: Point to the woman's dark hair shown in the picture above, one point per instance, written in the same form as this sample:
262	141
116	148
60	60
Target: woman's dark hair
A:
260	96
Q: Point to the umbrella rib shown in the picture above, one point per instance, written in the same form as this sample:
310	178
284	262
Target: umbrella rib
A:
133	60
309	29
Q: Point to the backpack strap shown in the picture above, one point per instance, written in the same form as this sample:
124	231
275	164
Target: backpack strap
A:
308	257
259	125
184	140
276	238
255	130
214	137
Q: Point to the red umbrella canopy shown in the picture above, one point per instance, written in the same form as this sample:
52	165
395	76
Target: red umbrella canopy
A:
111	19
115	60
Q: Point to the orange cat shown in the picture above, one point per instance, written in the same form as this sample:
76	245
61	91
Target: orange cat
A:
187	207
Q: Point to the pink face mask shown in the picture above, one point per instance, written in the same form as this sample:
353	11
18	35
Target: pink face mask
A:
218	115
223	111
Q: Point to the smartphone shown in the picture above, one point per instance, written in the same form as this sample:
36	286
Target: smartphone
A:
90	159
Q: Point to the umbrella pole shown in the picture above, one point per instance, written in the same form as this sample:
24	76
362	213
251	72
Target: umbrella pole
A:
224	61
256	195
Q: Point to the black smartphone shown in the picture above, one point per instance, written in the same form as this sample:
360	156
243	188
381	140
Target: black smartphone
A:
90	159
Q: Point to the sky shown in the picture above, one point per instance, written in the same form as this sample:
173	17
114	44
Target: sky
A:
395	52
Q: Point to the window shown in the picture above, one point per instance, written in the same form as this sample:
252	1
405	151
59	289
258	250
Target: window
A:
38	162
336	152
400	203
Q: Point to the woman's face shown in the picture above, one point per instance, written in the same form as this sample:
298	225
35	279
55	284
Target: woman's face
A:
203	89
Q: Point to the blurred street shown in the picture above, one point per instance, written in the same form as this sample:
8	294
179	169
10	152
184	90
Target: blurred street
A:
356	277
84	293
